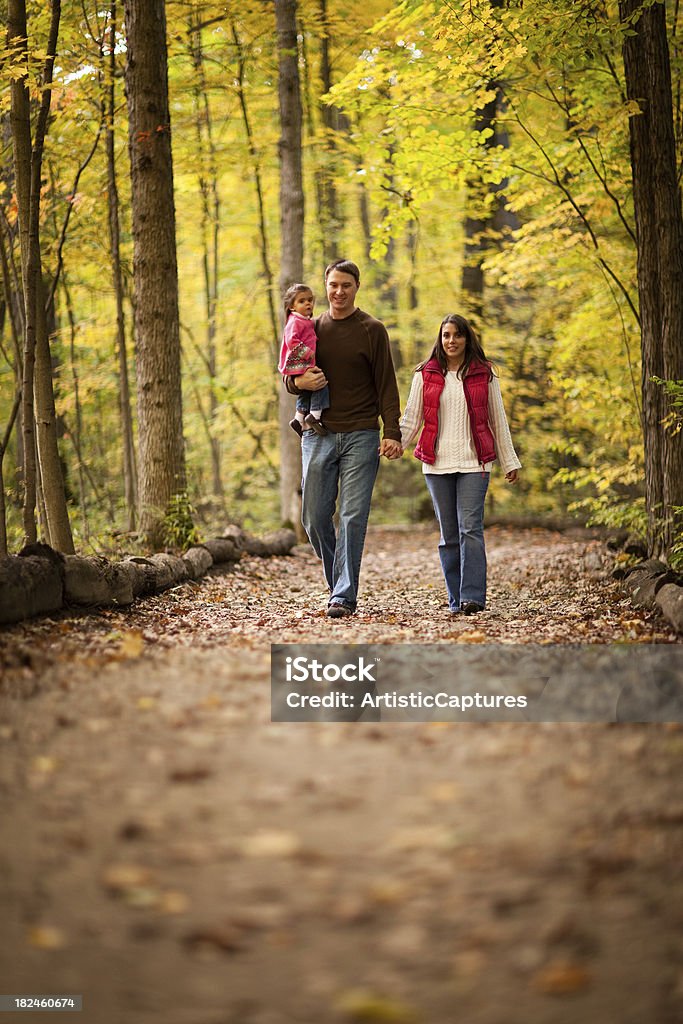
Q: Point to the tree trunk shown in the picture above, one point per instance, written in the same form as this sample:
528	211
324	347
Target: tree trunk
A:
155	270
3	448
77	429
256	167
413	341
476	224
659	235
334	120
51	473
13	299
208	186
291	233
130	483
21	144
38	409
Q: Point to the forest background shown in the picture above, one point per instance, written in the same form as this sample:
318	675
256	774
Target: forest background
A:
500	159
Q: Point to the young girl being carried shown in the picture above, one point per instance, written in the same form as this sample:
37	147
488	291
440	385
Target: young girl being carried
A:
298	355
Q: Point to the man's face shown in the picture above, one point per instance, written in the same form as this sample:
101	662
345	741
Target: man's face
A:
341	293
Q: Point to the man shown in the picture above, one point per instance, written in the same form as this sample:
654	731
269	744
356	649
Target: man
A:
354	359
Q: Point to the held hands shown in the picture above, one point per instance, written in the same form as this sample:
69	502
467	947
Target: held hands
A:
512	476
390	449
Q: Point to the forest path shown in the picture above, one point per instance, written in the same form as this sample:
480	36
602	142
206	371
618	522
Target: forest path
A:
174	856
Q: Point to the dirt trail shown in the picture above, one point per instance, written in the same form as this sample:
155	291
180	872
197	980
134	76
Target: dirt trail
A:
172	855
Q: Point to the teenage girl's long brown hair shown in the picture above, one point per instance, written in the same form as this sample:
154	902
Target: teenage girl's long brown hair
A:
474	353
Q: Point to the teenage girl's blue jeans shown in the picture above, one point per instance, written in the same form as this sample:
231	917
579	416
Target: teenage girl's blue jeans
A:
458	500
344	464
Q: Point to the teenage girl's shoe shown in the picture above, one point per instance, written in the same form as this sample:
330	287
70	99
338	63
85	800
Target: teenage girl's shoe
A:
296	426
313	423
471	607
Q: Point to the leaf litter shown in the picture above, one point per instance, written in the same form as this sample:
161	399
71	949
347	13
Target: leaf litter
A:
243	870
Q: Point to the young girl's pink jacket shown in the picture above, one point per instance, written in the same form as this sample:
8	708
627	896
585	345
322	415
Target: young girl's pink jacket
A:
298	345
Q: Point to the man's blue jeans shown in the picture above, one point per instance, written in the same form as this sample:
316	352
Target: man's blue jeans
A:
343	464
458	500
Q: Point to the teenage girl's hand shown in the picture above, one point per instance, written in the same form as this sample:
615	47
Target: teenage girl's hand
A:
511	477
312	380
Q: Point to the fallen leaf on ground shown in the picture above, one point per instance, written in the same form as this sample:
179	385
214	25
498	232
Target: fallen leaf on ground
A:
131	645
271	843
46	936
562	977
118	878
225	937
368	1008
474	636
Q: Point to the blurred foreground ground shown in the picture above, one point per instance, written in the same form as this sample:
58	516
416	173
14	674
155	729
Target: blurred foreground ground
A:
173	856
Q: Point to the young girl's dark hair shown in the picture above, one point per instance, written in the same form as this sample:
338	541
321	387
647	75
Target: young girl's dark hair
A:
291	294
474	353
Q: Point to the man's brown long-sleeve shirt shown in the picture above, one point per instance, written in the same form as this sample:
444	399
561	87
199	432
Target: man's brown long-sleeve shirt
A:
355	356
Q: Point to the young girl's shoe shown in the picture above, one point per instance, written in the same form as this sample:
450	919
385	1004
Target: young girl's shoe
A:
296	426
313	423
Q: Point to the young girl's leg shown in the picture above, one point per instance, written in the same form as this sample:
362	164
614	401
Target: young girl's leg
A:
320	400
301	412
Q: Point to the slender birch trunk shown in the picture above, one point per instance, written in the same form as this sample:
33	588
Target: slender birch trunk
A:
208	186
38	410
291	234
130	482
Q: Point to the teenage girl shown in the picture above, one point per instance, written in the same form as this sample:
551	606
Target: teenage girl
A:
456	399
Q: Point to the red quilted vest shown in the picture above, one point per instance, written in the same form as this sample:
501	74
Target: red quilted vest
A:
476	388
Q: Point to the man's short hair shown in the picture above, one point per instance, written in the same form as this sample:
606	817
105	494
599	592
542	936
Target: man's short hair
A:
344	267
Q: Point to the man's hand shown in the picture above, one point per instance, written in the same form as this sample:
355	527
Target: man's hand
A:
390	449
312	380
511	477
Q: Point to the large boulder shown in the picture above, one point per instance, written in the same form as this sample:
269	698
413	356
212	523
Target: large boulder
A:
30	585
669	600
280	542
236	534
96	581
85	582
171	569
198	560
277	542
143	574
646	580
224	549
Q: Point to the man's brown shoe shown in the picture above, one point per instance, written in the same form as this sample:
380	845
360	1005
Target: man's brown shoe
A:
338	610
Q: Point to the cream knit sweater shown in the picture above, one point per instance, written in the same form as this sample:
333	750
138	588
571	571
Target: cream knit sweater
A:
455	451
